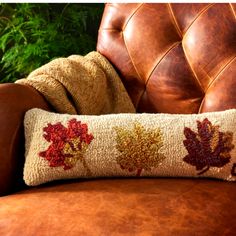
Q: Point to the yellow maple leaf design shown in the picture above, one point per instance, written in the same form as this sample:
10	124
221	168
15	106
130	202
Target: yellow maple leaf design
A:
139	148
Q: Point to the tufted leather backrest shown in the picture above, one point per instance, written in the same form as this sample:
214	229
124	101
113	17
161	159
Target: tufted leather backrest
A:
173	58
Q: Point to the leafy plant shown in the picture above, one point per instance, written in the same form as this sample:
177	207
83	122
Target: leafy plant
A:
33	34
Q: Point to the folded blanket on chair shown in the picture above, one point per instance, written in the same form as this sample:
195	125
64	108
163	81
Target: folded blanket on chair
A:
81	85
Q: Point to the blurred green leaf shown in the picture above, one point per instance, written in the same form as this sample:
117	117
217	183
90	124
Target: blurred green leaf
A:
32	34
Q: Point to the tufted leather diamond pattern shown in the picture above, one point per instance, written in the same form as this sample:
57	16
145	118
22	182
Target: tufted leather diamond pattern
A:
173	58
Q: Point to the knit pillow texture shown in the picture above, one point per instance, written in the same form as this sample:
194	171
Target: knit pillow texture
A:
62	146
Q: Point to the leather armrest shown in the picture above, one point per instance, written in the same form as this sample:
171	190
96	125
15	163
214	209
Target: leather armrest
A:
15	100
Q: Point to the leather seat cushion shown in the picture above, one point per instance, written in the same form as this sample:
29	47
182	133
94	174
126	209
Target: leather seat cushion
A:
159	206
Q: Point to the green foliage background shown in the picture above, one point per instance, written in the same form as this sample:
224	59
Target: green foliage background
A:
32	34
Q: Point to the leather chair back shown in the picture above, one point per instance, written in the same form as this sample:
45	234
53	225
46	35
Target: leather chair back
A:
173	58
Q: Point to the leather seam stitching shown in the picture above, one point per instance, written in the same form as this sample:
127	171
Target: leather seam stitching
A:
174	20
234	13
212	82
131	57
200	107
140	78
200	13
221	71
190	66
167	51
123	28
131	16
173	46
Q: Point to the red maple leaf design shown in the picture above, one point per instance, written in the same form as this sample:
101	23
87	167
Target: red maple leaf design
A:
208	147
67	144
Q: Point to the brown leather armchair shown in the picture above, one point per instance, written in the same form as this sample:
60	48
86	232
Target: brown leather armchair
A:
172	58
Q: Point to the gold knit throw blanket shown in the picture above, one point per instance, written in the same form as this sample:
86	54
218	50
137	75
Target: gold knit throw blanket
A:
81	85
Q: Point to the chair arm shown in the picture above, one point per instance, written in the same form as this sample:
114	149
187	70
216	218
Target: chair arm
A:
15	100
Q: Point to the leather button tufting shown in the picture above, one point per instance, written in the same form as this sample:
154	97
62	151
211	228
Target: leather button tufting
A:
160	73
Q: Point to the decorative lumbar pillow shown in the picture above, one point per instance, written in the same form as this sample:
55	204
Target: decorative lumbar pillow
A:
61	146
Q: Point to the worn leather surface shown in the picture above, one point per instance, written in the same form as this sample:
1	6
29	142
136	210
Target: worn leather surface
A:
179	207
173	58
15	100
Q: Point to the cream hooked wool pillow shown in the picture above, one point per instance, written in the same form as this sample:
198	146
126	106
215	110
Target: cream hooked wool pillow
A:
61	146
